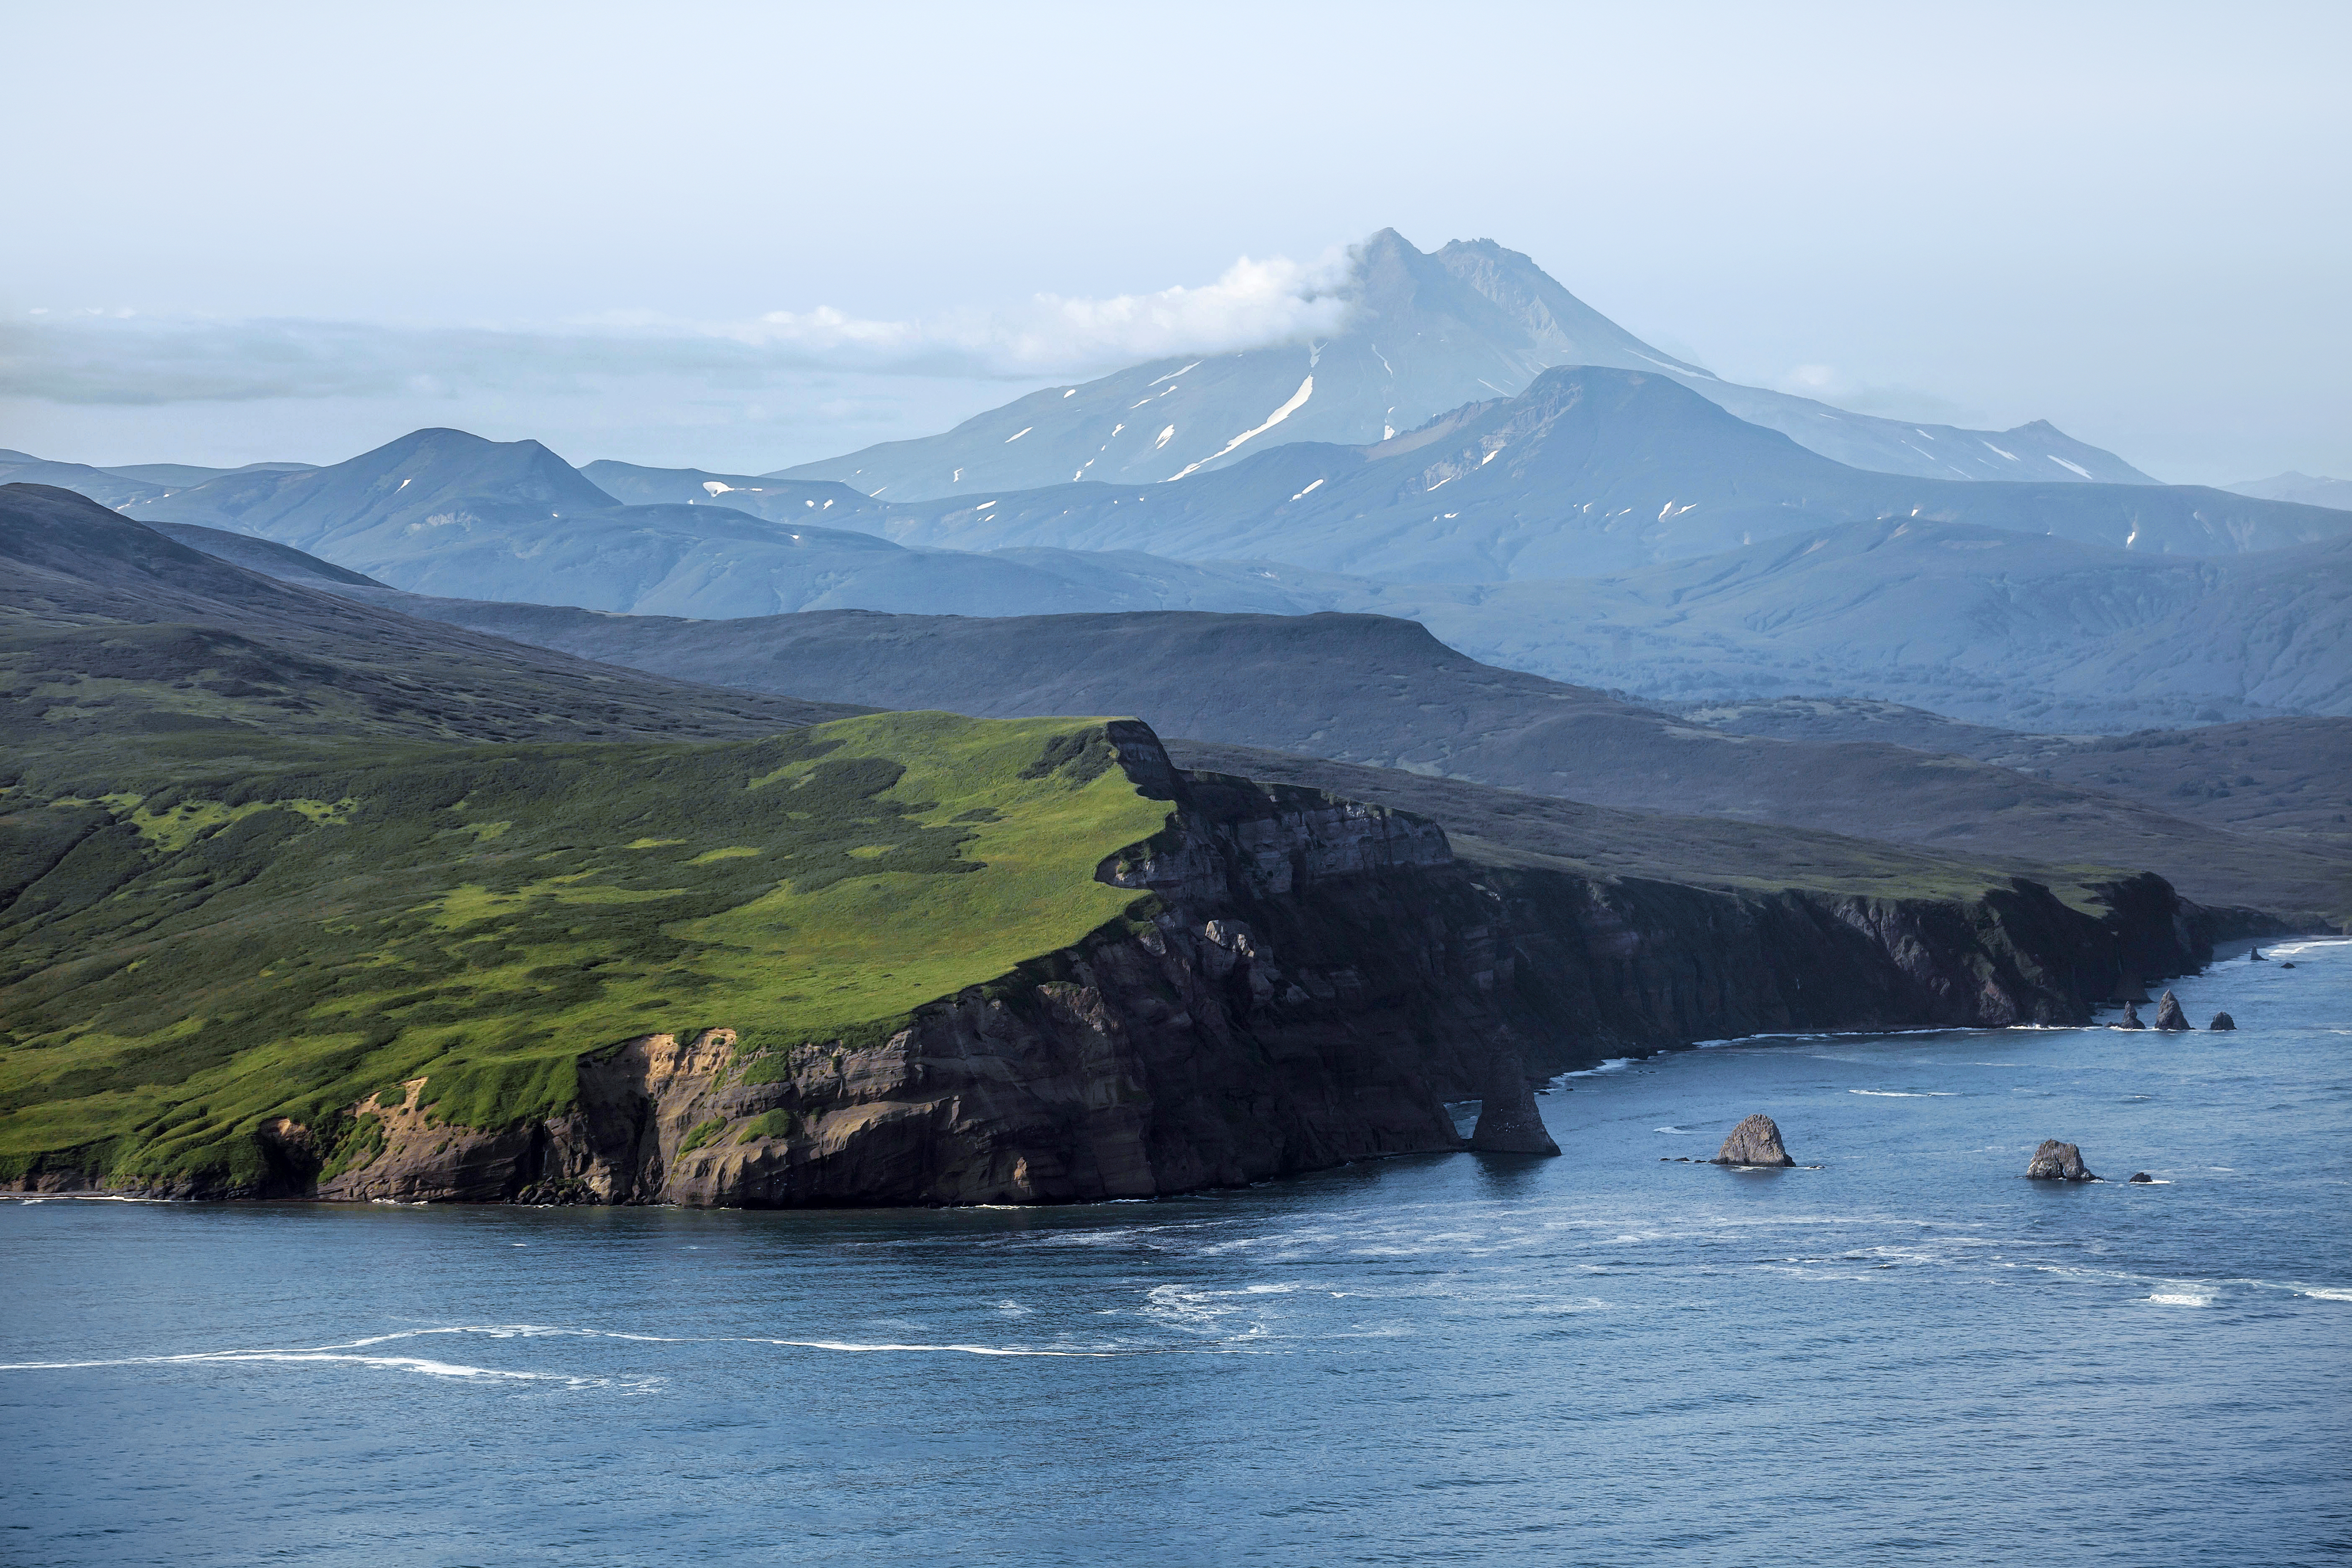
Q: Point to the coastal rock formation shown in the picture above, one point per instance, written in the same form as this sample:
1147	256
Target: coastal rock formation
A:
2168	1015
2222	1021
2057	1162
1755	1142
1508	1120
2254	956
2141	1179
1301	981
2130	1020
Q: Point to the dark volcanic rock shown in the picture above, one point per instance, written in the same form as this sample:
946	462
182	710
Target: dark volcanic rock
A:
2057	1162
1755	1142
2141	1178
2222	1021
2254	956
1508	1121
2130	1020
2168	1015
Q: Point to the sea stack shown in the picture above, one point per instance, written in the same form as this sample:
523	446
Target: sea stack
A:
2254	956
2168	1015
1755	1142
2057	1162
2222	1021
1508	1121
2141	1178
2130	1020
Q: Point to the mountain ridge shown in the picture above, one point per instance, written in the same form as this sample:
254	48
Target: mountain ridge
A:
1427	332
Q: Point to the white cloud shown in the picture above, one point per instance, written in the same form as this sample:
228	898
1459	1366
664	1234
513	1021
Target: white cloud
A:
119	357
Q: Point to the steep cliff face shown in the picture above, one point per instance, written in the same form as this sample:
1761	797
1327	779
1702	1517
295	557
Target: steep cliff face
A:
1303	981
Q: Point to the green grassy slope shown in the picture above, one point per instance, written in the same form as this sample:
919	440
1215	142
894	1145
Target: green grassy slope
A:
181	964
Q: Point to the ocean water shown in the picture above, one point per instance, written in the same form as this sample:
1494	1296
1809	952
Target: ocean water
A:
1908	1355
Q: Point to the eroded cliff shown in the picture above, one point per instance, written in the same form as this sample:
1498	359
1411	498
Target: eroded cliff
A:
1302	980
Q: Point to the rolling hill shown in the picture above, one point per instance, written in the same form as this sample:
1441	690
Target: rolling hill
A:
1383	692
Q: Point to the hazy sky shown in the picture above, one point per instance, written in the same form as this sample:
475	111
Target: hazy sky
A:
742	236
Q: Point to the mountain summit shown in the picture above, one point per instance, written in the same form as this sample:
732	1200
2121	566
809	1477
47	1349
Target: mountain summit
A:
1428	332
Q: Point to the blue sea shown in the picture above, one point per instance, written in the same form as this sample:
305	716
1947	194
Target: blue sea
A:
1908	1355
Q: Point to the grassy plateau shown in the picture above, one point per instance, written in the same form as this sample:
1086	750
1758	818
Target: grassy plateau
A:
183	962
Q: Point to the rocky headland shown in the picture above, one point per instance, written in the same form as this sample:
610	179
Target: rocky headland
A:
1300	981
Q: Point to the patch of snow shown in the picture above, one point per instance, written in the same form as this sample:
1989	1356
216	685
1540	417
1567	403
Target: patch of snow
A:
1492	387
1676	368
1388	432
1922	432
1165	436
2064	464
1453	514
1133	406
958	476
710	486
1383	359
1018	434
405	483
1072	393
821	508
1490	456
1442	483
983	506
2011	456
1174	373
1116	428
1297	400
2133	538
1671	510
1310	490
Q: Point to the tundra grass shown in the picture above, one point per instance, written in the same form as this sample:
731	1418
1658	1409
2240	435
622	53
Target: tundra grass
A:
180	965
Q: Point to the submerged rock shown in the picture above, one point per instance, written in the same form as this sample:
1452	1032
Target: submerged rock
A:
2130	1020
1755	1142
2168	1015
2288	964
2057	1162
2222	1021
1508	1121
2142	1178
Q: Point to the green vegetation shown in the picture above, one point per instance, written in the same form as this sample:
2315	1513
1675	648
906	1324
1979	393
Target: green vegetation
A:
184	959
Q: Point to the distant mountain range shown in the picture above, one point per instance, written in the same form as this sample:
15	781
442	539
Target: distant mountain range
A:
1426	334
1588	472
2304	488
120	487
1796	573
441	511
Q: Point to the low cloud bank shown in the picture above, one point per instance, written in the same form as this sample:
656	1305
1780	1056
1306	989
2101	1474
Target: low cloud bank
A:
125	358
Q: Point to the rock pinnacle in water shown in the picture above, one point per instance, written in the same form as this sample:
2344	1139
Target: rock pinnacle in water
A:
2168	1015
1508	1121
2222	1021
2057	1162
1755	1142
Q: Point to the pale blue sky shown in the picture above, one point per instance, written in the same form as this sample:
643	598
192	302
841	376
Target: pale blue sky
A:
2129	219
